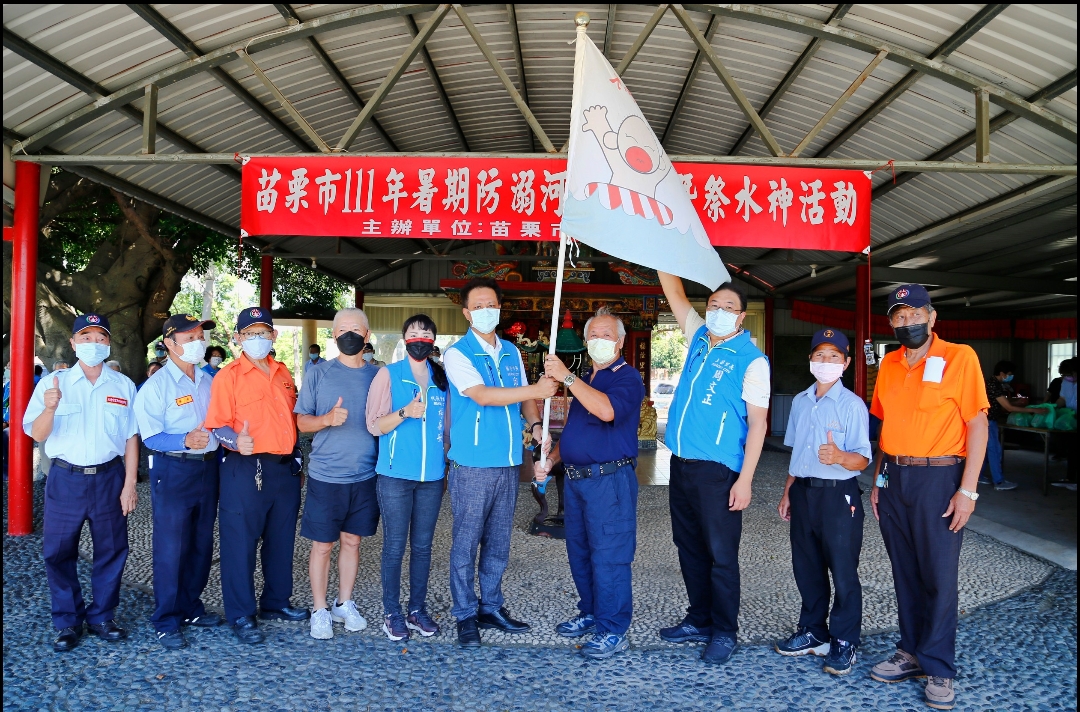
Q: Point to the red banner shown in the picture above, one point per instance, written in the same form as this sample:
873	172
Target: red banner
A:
446	197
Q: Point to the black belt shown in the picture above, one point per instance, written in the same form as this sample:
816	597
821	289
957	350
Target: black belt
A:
92	470
819	481
190	455
581	472
266	457
905	461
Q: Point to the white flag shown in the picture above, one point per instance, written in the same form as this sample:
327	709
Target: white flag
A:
623	196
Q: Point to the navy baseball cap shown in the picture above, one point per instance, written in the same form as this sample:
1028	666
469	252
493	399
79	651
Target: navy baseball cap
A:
85	321
908	295
179	323
254	315
830	336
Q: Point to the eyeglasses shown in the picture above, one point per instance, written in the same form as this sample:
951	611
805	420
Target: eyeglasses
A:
256	335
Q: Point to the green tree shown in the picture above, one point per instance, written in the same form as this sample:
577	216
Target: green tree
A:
668	348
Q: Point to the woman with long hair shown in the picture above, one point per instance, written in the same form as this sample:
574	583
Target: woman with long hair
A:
406	410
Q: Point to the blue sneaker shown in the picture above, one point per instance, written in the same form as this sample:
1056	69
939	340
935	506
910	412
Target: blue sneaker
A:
841	657
719	650
802	642
686	633
604	645
579	625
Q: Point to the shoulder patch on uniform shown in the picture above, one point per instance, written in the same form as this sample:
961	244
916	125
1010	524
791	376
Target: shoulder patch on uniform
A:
184	400
618	367
116	400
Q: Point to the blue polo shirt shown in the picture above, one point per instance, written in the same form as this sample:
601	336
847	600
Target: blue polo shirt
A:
586	439
809	423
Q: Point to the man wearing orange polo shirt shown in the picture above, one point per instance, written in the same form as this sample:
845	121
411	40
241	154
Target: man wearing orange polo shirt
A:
251	414
932	403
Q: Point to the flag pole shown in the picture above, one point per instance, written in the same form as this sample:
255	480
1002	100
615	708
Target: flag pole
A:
551	336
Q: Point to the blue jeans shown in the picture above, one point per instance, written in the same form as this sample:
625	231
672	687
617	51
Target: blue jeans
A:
994	455
407	505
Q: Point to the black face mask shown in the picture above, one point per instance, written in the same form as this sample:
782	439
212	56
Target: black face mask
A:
350	343
914	336
419	350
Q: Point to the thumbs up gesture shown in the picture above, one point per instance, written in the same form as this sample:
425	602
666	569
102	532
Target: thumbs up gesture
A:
829	454
198	438
244	442
416	409
337	415
53	395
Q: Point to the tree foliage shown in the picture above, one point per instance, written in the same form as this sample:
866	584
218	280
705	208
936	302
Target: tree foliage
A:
668	348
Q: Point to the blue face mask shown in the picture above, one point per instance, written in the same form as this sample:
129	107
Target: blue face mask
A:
92	353
313	356
720	322
1007	379
485	320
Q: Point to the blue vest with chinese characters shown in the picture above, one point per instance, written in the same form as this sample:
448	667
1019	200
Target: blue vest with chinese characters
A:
486	436
707	418
414	449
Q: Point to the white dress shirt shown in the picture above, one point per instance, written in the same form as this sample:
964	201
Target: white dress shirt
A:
170	402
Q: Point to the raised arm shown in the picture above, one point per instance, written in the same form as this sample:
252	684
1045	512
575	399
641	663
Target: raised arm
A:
676	296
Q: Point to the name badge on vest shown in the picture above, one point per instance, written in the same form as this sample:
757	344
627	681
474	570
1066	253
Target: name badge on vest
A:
116	400
184	400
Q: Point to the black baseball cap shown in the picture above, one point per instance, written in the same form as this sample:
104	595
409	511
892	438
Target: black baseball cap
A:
254	315
908	295
830	336
85	321
179	323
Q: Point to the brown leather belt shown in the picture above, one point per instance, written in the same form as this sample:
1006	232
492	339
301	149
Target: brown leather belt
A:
905	461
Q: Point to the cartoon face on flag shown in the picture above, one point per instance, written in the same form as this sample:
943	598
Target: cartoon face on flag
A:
623	196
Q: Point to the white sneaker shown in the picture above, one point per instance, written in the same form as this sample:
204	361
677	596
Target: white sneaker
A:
322	625
346	613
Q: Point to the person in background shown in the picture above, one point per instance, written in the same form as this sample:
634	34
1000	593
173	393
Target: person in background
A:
161	354
171	411
215	358
1053	391
341	504
828	433
151	368
114	365
406	410
39	371
314	357
86	419
1067	399
59	365
436	354
369	355
1000	407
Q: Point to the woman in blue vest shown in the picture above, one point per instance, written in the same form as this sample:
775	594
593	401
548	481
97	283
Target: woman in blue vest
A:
406	410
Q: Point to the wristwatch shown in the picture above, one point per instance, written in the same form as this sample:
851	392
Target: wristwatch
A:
401	414
569	380
970	495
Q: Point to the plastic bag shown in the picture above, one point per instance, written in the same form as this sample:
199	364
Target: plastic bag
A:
1065	420
1044	419
1022	420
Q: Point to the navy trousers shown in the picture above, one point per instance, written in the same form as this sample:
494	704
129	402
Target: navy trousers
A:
185	497
601	537
826	537
925	559
707	535
247	514
72	498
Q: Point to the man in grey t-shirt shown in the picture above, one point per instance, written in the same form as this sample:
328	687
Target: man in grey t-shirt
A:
341	502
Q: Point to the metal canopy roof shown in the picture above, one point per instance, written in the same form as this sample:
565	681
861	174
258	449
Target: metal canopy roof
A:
74	80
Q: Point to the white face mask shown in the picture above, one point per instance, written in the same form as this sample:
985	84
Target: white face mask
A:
193	351
485	320
826	372
601	350
720	322
215	361
92	353
257	348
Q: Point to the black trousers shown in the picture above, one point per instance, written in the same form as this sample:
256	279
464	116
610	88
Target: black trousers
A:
707	535
826	537
925	559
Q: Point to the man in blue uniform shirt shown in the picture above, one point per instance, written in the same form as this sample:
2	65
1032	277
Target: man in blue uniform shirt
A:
84	416
599	449
171	410
716	429
829	435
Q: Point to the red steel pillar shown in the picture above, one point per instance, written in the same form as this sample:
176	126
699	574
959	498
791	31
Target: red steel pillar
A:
358	295
767	347
862	326
266	282
23	301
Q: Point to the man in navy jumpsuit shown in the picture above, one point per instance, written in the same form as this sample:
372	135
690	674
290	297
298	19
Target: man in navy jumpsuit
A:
85	417
599	449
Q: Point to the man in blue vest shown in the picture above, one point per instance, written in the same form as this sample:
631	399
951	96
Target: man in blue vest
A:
716	428
489	393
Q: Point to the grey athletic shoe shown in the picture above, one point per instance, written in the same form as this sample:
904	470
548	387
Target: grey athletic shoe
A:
939	693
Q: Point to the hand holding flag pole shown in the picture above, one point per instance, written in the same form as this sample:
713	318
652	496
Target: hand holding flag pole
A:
554	330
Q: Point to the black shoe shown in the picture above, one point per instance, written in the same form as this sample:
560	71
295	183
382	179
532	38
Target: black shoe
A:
468	636
841	657
67	638
108	631
501	619
173	640
719	650
247	630
684	632
288	613
206	620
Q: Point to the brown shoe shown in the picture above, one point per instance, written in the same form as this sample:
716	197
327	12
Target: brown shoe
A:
901	666
939	693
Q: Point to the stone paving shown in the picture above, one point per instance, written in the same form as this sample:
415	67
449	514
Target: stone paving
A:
538	587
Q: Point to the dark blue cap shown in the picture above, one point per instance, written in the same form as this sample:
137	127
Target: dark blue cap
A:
831	336
254	315
85	321
908	295
179	323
